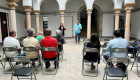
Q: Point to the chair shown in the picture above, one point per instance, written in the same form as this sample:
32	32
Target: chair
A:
8	49
130	48
119	52
22	71
60	49
92	51
50	49
136	61
115	71
104	49
85	44
33	49
1	62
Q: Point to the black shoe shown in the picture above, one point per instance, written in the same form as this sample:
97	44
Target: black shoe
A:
47	64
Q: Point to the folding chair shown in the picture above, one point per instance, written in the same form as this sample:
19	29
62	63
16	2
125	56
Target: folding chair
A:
104	49
22	71
8	49
60	49
50	49
33	49
136	61
130	49
85	44
92	51
115	71
119	52
1	62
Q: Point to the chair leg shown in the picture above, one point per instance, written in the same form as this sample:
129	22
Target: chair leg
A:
12	77
133	65
31	76
104	76
82	67
137	68
17	77
34	76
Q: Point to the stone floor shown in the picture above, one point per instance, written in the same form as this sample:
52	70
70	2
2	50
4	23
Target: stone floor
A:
70	67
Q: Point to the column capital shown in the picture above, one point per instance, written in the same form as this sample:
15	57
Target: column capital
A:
12	4
89	11
27	9
129	7
36	12
117	11
62	12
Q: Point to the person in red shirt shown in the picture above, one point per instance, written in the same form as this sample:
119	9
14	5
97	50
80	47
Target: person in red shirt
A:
49	41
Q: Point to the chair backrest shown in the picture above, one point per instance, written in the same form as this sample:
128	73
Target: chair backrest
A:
87	49
85	44
105	44
85	39
30	49
9	49
120	52
20	59
49	49
118	60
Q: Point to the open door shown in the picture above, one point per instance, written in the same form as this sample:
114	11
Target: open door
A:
3	26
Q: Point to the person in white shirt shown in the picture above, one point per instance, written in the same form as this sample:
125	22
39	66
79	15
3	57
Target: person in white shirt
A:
11	41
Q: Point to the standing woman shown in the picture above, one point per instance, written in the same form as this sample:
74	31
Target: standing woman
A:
62	29
94	43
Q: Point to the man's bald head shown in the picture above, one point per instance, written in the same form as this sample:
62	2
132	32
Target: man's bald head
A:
40	33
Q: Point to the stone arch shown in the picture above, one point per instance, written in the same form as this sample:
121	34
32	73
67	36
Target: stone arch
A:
100	17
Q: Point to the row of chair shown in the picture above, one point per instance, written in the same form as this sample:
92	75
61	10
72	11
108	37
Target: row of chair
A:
26	71
112	71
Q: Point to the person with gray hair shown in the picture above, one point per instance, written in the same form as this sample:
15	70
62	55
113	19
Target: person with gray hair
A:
60	40
30	41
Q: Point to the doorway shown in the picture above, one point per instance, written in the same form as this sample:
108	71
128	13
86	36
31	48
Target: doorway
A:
96	20
3	26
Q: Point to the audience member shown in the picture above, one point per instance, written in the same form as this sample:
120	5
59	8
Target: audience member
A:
94	43
39	37
59	39
30	41
11	41
49	41
117	42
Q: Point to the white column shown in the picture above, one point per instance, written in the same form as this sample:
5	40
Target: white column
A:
62	16
89	12
117	15
12	4
28	16
128	9
37	12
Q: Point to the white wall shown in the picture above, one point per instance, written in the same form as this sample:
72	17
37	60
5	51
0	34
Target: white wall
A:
135	21
53	21
108	25
21	30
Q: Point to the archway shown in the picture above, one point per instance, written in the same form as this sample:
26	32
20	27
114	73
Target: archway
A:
96	20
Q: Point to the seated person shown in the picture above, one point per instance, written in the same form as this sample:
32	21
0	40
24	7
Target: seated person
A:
49	41
117	42
94	43
59	39
30	41
11	41
137	47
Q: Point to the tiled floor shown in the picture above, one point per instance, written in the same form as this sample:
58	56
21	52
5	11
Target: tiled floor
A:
70	67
